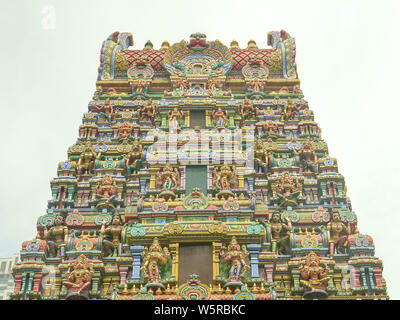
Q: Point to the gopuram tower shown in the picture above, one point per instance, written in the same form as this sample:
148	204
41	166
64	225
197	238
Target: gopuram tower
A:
199	173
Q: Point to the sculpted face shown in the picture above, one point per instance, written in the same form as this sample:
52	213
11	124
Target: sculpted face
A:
336	217
276	217
116	221
59	220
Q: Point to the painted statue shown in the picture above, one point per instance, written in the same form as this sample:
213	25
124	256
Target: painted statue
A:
247	110
56	236
287	189
86	160
236	257
338	233
112	236
152	258
290	110
78	280
314	275
125	130
106	190
225	177
307	157
133	159
148	112
220	117
280	234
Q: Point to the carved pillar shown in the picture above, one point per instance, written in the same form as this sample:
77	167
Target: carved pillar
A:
18	282
378	276
269	269
79	198
254	250
323	189
95	283
363	277
315	195
36	281
296	279
106	284
70	192
174	250
123	272
137	259
356	277
308	199
216	247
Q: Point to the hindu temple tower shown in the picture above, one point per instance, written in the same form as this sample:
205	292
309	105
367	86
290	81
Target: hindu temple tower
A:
198	173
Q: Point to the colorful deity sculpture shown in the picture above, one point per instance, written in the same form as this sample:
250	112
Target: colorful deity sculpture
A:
168	178
270	128
236	257
308	157
106	190
87	159
78	280
174	116
56	236
315	276
288	190
261	158
256	85
125	130
225	177
148	112
133	159
221	118
280	234
140	85
112	236
152	258
338	234
290	110
247	110
106	110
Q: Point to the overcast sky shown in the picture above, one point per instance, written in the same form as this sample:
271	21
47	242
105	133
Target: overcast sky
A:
347	58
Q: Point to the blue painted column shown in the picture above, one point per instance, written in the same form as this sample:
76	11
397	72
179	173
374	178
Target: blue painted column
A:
254	250
136	252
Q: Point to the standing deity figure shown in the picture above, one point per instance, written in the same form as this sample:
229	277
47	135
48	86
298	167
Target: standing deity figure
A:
221	117
111	236
287	189
316	276
87	159
174	116
280	234
78	280
133	159
290	110
152	258
307	157
338	233
182	84
236	257
106	189
168	178
261	158
56	236
247	110
256	85
125	130
225	178
140	85
148	112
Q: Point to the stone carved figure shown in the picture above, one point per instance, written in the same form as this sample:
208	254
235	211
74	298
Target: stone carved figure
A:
338	234
148	112
133	159
307	157
56	236
314	275
111	236
280	234
78	280
247	110
236	257
125	130
87	159
225	177
106	190
168	178
152	258
287	189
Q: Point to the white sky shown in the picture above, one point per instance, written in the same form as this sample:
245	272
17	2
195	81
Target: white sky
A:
347	57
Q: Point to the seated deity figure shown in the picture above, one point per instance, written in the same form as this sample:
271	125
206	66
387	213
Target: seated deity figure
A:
288	190
152	258
315	276
338	234
106	190
86	160
224	178
125	130
57	235
106	110
236	257
290	110
78	280
247	110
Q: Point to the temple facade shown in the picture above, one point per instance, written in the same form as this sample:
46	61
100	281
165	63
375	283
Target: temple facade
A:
198	173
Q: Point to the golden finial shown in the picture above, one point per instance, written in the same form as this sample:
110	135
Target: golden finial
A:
133	290
252	45
228	291
148	45
254	289
125	291
234	45
158	291
262	289
165	45
219	289
168	290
